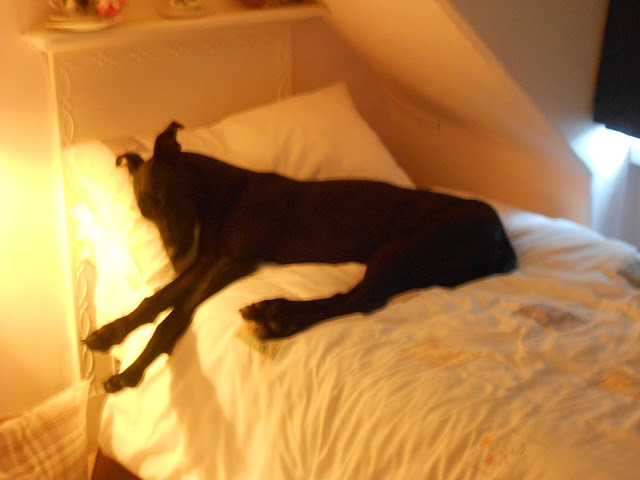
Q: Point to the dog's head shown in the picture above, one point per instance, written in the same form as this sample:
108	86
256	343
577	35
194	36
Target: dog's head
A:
166	190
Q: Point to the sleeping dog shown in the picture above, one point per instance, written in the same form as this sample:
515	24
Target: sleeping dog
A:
236	219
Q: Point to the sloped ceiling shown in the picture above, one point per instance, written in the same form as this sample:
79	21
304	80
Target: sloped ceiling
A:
429	49
551	48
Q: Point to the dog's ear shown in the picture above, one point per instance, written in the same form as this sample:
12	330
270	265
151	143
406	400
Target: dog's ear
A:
133	161
166	143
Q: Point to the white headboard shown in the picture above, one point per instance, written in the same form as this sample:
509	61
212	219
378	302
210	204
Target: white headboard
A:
195	78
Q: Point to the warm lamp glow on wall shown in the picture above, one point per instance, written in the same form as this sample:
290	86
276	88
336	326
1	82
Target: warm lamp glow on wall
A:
37	338
26	208
16	206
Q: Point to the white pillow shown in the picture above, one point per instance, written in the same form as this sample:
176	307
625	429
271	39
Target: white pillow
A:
48	441
318	135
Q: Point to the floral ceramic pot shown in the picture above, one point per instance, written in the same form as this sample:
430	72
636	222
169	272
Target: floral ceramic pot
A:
104	8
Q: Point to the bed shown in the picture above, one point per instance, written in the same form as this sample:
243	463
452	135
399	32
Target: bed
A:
532	374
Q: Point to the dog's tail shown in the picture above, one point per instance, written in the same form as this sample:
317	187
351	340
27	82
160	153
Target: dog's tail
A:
133	161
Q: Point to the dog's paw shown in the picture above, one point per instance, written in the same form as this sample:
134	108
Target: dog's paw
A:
263	312
104	338
126	379
267	319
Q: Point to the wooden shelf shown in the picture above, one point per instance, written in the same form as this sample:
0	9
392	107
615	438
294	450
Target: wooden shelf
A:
130	32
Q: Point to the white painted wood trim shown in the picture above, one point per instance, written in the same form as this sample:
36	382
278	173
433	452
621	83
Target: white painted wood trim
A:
157	27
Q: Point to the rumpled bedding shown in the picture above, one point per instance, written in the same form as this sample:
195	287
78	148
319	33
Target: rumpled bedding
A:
529	375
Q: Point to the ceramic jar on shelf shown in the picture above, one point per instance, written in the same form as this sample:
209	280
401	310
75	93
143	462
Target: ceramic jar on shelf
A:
74	8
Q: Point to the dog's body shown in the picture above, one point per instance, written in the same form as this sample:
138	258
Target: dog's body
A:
239	219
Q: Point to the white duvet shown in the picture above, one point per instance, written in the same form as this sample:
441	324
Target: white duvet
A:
531	375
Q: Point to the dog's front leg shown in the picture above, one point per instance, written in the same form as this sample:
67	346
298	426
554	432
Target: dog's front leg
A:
163	340
217	275
115	332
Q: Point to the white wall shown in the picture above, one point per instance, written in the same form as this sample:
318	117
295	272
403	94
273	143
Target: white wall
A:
321	56
551	48
37	333
456	116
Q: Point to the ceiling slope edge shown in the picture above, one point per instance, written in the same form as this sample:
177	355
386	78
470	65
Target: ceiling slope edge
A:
428	48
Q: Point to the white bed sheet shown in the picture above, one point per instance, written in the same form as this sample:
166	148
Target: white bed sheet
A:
531	375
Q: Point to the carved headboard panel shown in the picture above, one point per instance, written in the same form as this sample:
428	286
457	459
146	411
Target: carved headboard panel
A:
195	78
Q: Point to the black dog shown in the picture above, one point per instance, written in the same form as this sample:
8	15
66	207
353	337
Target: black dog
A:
239	218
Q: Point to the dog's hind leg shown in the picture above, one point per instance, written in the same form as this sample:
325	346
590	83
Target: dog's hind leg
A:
280	317
459	245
